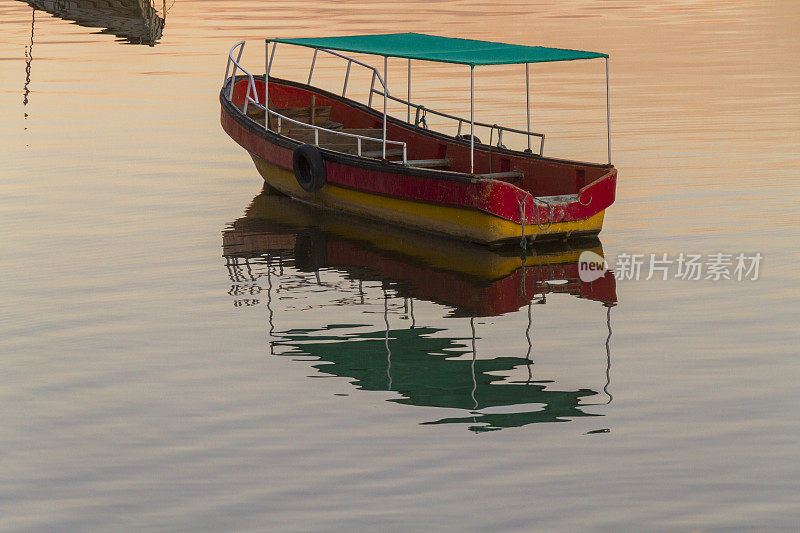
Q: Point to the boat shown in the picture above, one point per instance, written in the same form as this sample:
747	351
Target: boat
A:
340	154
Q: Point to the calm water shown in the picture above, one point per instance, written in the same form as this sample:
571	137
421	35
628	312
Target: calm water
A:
180	352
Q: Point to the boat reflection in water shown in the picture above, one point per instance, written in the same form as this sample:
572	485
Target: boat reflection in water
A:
133	21
279	242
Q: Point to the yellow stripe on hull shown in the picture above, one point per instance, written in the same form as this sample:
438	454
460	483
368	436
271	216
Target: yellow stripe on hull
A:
461	222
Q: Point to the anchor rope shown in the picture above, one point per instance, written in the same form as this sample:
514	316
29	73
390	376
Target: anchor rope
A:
523	241
549	213
542	227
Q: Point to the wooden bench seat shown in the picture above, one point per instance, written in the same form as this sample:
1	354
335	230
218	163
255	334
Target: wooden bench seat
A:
326	137
510	175
320	114
429	163
390	152
370	147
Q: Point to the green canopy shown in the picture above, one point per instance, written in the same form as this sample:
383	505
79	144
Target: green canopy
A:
442	49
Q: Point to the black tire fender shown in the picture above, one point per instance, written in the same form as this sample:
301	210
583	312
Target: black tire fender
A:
309	167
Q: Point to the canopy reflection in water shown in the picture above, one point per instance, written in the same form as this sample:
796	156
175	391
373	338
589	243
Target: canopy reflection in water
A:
278	240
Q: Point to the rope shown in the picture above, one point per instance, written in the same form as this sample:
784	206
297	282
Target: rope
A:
549	214
474	356
530	344
608	354
499	136
421	112
523	243
386	338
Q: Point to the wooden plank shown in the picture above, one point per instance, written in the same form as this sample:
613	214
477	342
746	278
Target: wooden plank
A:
429	163
501	175
307	134
379	153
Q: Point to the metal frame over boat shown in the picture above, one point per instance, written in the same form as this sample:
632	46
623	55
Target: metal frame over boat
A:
334	152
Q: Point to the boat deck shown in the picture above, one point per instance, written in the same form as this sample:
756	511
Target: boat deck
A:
320	116
425	149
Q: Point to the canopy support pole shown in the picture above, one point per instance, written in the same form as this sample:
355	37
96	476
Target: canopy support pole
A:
385	91
408	110
311	71
608	113
528	103
471	119
268	64
272	55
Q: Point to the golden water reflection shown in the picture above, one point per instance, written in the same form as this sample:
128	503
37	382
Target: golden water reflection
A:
279	241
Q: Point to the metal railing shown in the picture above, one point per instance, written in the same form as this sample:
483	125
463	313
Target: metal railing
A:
350	61
230	79
251	85
421	111
317	129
